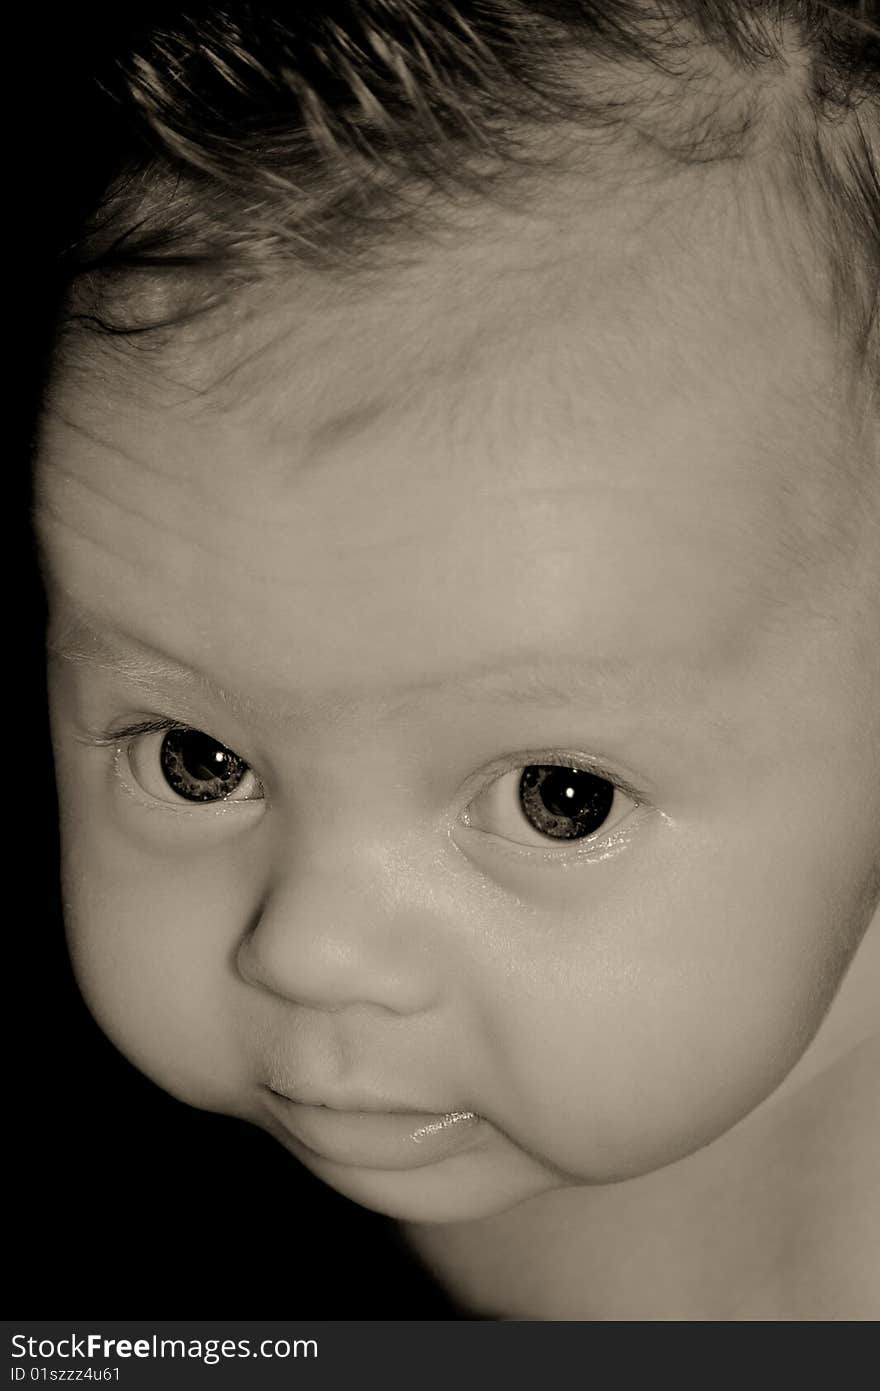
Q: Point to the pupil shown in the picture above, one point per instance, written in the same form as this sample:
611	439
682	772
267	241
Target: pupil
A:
564	803
198	768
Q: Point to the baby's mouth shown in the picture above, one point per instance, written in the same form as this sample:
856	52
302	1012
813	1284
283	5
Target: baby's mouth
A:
376	1139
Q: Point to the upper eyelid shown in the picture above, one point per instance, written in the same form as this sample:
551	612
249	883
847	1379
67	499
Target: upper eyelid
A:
560	758
107	738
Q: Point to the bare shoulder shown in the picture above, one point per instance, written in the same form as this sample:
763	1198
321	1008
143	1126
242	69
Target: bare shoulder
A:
846	1096
836	1252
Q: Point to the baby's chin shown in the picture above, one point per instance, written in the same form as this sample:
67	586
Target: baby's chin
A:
469	1188
463	1188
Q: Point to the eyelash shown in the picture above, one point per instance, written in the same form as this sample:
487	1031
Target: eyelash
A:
590	848
108	738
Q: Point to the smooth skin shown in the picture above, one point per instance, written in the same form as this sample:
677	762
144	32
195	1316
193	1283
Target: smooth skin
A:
583	486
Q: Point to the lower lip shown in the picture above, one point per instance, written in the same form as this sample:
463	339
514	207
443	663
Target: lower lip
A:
378	1139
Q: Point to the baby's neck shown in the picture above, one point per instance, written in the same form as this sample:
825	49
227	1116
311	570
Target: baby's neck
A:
779	1220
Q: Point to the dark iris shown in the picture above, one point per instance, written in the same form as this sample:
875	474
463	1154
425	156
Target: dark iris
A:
564	803
198	768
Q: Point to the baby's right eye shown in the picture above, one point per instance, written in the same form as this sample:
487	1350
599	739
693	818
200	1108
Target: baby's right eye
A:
180	764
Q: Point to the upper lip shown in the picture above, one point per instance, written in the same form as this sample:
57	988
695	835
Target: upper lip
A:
349	1103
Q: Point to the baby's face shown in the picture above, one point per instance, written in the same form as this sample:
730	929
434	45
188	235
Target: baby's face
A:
457	708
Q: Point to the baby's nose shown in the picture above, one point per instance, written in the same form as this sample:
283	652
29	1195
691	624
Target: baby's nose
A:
328	938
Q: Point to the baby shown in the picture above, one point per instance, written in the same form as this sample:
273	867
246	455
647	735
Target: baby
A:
458	496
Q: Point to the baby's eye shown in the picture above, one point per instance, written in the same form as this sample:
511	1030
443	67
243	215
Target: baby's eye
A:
545	802
189	765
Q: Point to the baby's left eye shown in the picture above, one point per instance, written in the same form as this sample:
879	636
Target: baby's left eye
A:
545	802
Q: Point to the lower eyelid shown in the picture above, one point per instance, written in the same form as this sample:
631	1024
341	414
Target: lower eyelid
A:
590	853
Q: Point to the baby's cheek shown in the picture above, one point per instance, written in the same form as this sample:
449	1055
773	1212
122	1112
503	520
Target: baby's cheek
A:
647	1083
676	1015
153	943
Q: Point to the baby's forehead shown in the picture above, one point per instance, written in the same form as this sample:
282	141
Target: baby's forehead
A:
590	346
586	439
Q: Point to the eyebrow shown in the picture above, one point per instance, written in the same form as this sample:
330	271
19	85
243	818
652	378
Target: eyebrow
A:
137	662
536	680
